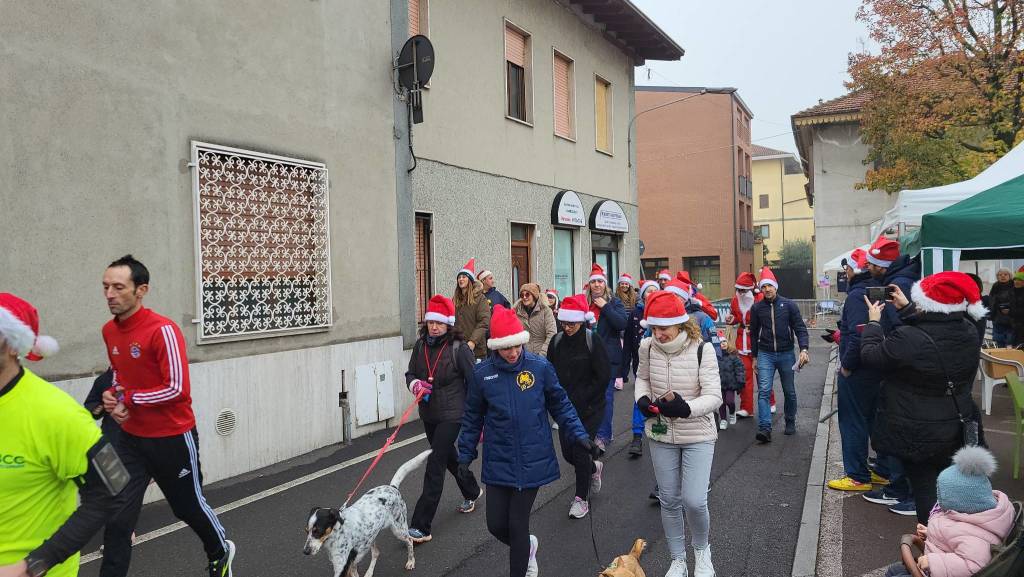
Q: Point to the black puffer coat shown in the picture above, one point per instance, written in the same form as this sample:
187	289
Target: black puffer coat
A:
1001	299
915	419
583	373
454	368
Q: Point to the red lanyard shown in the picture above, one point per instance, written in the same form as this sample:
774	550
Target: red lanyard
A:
426	357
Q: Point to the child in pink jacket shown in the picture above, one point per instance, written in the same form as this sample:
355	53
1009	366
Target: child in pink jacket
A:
968	518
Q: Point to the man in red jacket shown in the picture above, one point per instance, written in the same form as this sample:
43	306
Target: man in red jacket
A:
151	399
744	299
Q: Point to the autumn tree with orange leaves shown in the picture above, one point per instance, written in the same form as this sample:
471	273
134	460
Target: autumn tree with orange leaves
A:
945	85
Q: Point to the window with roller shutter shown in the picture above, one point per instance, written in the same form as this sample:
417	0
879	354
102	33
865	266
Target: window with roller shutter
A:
565	122
517	73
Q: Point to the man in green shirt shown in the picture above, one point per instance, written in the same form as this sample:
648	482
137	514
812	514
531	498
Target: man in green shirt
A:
51	454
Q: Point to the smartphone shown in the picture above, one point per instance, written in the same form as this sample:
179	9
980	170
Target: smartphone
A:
877	294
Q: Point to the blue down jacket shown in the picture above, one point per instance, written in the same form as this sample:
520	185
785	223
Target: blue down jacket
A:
511	403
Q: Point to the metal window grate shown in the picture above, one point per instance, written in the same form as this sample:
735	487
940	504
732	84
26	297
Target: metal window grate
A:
262	242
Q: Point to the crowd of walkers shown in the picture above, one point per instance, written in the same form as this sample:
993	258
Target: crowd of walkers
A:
490	373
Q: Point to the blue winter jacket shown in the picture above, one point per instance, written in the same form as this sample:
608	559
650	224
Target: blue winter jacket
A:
511	403
494	297
708	331
903	272
609	327
773	324
631	338
855	313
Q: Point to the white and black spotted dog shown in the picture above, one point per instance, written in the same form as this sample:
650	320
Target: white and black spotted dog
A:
350	532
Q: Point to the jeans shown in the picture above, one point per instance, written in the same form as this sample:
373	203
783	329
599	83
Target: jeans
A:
604	432
683	473
441	437
1002	335
857	396
767	364
508	519
897	569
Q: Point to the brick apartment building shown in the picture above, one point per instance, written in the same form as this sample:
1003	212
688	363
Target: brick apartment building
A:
694	183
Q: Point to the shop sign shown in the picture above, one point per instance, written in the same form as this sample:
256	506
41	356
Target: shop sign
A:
609	216
567	210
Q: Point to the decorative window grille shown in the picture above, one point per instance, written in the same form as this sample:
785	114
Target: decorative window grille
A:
262	250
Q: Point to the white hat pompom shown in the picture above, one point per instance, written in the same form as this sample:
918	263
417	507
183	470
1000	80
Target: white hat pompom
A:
975	461
46	346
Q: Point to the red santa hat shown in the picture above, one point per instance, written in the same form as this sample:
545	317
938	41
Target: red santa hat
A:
19	328
441	309
948	292
575	309
664	309
883	252
664	274
746	280
469	269
648	285
684	277
859	258
597	273
484	274
680	289
767	277
624	277
506	330
552	293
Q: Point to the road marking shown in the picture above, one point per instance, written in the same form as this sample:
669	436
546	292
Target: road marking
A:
259	496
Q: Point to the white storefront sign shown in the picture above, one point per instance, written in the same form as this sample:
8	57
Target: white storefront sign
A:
609	216
568	210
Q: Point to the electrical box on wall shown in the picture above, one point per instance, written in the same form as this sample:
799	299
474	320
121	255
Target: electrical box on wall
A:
375	393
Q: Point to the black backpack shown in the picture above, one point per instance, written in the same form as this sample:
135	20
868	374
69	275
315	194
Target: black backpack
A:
590	339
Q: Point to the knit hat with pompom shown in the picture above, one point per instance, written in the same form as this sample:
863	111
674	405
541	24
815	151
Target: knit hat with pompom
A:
964	486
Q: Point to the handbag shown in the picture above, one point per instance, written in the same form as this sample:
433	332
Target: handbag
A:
968	427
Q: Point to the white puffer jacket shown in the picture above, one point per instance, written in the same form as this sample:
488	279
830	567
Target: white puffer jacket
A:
660	372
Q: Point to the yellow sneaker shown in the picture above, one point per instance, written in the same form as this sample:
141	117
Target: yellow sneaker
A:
848	484
877	479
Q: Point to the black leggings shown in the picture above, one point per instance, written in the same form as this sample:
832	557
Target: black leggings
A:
922	476
441	437
508	519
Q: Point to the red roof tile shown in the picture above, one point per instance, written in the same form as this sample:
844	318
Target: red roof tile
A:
845	104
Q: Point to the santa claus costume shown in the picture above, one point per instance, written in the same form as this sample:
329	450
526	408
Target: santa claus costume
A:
744	299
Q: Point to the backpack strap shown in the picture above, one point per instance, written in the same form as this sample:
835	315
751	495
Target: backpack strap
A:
590	340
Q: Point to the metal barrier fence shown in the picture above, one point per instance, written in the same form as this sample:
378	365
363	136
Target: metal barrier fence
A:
815	312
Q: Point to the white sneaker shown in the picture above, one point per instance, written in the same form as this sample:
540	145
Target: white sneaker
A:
595	479
531	566
723	424
773	409
742	414
702	566
732	419
579	508
678	569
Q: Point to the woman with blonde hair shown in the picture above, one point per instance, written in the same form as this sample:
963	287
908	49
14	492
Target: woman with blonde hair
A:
678	390
472	313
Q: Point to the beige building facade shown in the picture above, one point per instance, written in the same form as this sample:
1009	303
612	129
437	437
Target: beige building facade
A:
782	209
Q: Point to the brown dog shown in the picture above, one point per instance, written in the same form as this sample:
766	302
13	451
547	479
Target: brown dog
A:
627	565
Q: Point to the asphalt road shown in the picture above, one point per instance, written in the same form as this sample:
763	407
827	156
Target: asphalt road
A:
756	500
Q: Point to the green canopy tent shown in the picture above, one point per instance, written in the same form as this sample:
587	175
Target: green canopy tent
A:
986	226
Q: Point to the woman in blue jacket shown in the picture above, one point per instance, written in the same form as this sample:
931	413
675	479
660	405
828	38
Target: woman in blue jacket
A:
511	396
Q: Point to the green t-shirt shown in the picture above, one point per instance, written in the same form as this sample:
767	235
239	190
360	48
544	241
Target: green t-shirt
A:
44	438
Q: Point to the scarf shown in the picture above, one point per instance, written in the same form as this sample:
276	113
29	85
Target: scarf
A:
674	346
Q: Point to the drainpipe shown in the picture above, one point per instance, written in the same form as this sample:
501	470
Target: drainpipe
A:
735	193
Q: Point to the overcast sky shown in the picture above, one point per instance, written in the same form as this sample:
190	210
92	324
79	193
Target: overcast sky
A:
782	55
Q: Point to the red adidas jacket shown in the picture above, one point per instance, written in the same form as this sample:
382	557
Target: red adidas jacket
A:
147	353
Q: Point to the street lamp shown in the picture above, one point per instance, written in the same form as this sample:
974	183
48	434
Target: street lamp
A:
629	129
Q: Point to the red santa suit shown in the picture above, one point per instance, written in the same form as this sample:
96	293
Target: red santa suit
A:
741	317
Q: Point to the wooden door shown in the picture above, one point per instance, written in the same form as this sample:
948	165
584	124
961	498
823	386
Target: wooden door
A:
520	267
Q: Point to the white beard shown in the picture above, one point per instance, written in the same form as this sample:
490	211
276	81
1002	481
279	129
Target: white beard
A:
746	300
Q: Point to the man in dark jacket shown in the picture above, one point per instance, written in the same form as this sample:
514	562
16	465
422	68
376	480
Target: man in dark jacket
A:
611	321
917	418
1001	302
493	296
581	363
774	322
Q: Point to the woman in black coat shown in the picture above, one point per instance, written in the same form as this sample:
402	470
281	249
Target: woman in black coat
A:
928	364
441	366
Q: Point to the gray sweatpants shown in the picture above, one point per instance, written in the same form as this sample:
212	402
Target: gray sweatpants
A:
683	473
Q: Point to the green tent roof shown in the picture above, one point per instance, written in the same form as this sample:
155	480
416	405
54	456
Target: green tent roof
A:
993	219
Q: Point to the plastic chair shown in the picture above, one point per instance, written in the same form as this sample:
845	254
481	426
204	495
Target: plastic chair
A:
995	365
1017	394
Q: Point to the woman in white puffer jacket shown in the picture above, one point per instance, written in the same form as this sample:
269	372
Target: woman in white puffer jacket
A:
679	391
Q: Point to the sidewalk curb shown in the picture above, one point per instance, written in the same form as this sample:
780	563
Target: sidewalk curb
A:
806	559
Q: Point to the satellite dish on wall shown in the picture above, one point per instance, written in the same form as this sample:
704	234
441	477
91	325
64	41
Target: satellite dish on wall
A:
415	65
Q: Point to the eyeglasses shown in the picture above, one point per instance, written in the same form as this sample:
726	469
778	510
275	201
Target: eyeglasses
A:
524	295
